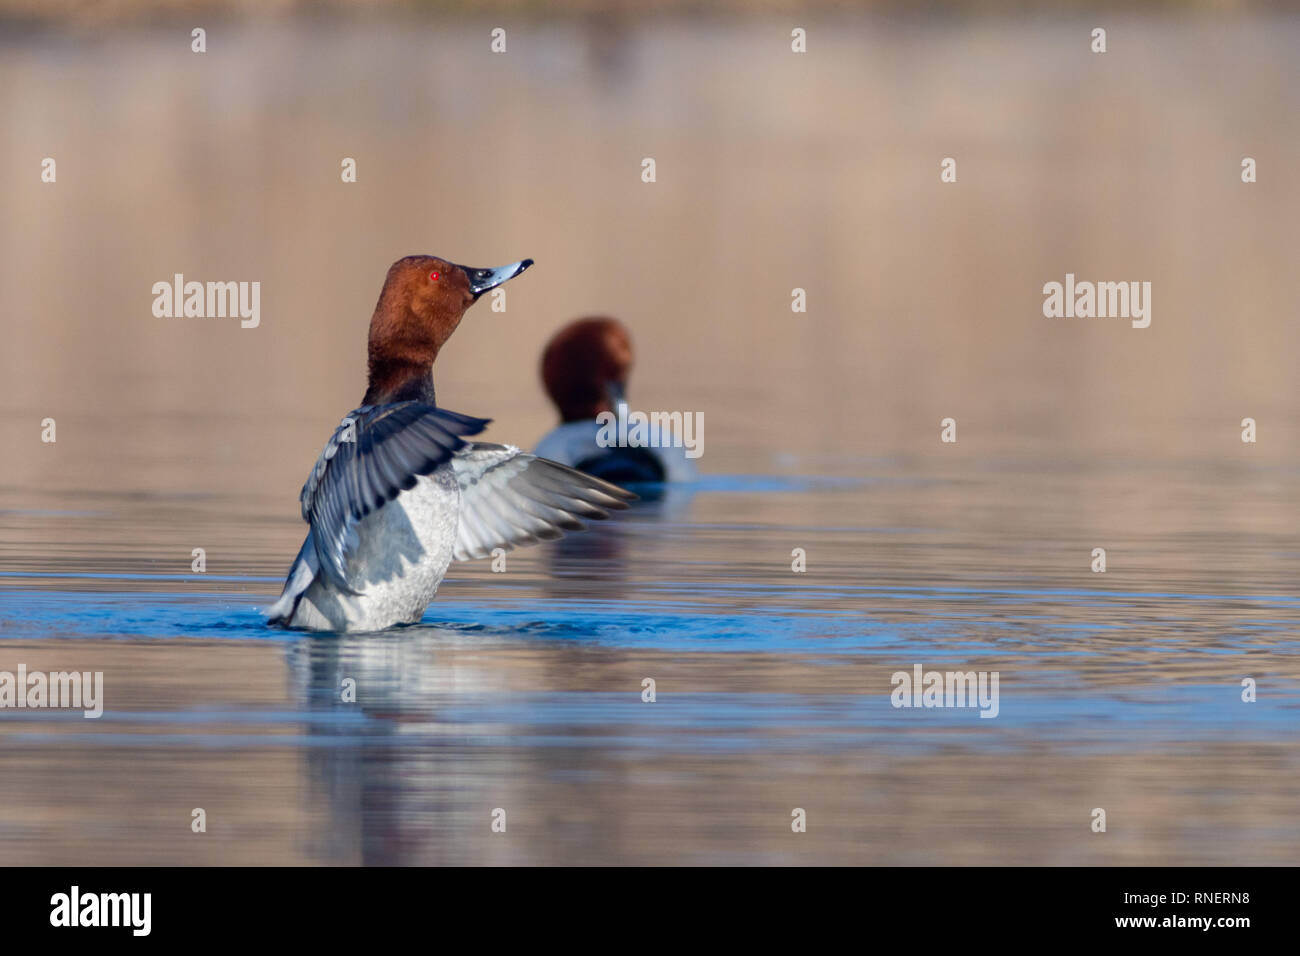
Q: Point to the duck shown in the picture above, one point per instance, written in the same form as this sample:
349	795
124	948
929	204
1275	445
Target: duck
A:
585	369
400	491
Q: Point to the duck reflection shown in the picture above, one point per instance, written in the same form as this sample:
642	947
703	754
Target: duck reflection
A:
395	773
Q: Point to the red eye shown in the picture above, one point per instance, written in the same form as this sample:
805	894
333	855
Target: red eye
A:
433	276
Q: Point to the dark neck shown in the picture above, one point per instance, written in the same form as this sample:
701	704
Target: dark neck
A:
587	412
400	382
583	415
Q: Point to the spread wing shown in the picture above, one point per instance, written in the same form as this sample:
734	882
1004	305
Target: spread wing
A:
509	498
376	453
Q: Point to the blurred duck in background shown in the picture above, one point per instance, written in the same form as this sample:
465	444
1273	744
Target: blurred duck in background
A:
585	369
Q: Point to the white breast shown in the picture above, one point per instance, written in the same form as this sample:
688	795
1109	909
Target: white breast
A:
401	556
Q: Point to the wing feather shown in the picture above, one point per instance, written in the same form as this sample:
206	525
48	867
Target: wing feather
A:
375	454
509	498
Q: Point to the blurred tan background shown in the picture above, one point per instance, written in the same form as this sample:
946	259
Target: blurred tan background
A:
775	170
